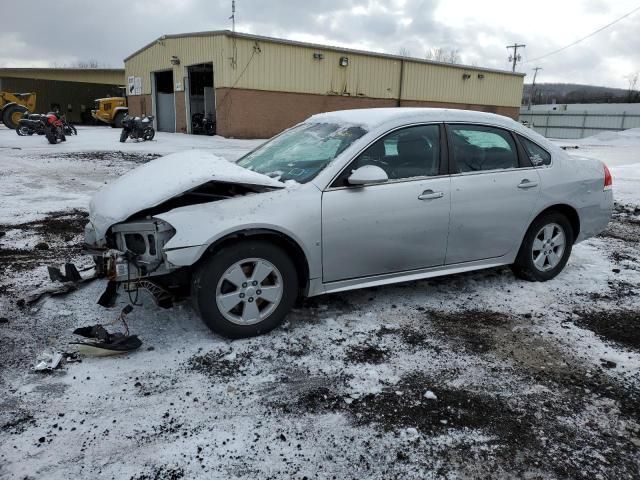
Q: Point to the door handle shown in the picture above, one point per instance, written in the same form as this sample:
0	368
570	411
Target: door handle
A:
526	183
430	195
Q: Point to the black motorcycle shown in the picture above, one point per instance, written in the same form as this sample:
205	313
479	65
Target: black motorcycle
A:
137	128
201	125
30	124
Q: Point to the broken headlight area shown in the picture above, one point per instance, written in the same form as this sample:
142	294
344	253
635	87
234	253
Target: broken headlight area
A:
133	258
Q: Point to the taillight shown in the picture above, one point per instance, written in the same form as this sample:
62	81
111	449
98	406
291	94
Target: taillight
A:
608	179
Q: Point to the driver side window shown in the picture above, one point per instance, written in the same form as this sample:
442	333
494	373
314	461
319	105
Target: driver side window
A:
406	153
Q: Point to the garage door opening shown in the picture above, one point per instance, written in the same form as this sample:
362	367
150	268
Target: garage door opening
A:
165	101
202	103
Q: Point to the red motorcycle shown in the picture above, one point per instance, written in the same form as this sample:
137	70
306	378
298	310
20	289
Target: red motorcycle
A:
54	127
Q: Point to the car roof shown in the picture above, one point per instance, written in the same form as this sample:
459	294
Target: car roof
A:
371	118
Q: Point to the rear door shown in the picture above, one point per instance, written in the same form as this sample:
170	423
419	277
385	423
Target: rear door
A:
494	190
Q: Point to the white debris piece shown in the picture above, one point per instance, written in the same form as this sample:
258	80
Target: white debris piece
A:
429	395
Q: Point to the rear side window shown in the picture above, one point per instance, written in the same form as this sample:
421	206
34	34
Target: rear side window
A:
477	148
537	154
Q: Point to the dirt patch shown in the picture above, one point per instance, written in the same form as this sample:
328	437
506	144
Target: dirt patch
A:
623	228
618	290
366	354
622	326
219	364
162	472
111	156
473	329
59	232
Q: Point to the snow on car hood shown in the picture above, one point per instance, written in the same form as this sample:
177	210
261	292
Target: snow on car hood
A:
162	179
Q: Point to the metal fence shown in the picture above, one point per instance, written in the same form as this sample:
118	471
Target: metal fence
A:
571	124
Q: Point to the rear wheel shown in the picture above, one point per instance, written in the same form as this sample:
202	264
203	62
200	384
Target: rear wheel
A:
246	289
12	114
545	249
148	134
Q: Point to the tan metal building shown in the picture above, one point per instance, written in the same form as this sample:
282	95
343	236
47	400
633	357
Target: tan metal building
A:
70	90
257	86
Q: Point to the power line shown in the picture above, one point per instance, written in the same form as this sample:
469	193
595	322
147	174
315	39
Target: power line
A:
584	38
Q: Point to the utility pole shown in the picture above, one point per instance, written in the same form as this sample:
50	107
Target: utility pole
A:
533	85
233	16
515	58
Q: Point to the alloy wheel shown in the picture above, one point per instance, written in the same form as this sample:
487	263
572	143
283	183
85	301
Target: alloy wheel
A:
548	247
249	291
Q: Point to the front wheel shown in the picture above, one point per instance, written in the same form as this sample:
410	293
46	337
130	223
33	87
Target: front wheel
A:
545	249
246	289
123	135
52	137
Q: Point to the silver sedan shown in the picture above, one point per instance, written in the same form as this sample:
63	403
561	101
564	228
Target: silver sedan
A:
346	200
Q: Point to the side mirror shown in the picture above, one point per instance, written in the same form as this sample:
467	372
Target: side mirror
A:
368	174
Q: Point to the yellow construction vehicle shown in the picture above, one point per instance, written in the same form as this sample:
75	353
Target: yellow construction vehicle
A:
110	110
14	105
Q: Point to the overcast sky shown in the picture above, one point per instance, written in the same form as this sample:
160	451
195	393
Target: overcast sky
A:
63	32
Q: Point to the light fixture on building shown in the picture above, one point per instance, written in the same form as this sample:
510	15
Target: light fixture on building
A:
481	76
466	76
175	60
344	61
318	56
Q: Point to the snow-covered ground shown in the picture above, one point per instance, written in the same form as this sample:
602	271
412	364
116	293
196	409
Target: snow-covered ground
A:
471	376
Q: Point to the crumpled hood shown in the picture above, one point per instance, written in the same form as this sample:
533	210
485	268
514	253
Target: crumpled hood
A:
162	179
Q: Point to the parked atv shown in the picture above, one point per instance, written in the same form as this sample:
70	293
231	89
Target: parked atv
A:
137	128
202	125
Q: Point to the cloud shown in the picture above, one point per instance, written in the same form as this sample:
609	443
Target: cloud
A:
480	31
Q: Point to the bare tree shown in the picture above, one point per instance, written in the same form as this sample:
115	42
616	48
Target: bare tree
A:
404	52
633	95
443	55
90	63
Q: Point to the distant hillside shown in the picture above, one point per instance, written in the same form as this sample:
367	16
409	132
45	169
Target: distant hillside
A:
575	93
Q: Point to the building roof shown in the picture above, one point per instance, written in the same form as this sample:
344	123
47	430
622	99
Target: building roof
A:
109	76
282	41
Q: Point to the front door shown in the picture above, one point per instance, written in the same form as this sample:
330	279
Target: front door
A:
493	193
391	227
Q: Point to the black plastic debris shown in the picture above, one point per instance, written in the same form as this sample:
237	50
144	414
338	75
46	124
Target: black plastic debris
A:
71	273
104	343
108	297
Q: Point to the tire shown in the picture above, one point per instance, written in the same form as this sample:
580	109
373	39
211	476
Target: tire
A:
117	120
123	136
211	282
537	239
21	131
51	137
148	134
12	114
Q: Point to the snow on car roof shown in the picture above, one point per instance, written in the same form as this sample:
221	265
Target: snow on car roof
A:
371	118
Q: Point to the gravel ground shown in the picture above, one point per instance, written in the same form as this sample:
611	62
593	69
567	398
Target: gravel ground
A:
478	375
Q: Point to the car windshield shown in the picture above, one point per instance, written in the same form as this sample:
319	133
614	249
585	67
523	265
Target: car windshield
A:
301	153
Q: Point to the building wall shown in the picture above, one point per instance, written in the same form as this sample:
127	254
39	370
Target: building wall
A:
80	96
246	113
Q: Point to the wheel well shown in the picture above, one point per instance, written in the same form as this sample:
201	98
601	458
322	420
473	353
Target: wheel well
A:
283	241
568	212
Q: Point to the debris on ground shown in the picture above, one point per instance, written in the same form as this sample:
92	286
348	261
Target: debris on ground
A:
104	343
48	361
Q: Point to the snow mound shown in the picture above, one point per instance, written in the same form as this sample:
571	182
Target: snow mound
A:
624	137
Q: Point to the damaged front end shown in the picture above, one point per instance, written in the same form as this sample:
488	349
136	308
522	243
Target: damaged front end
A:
133	257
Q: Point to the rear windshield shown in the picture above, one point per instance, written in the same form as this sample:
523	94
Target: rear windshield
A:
301	153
